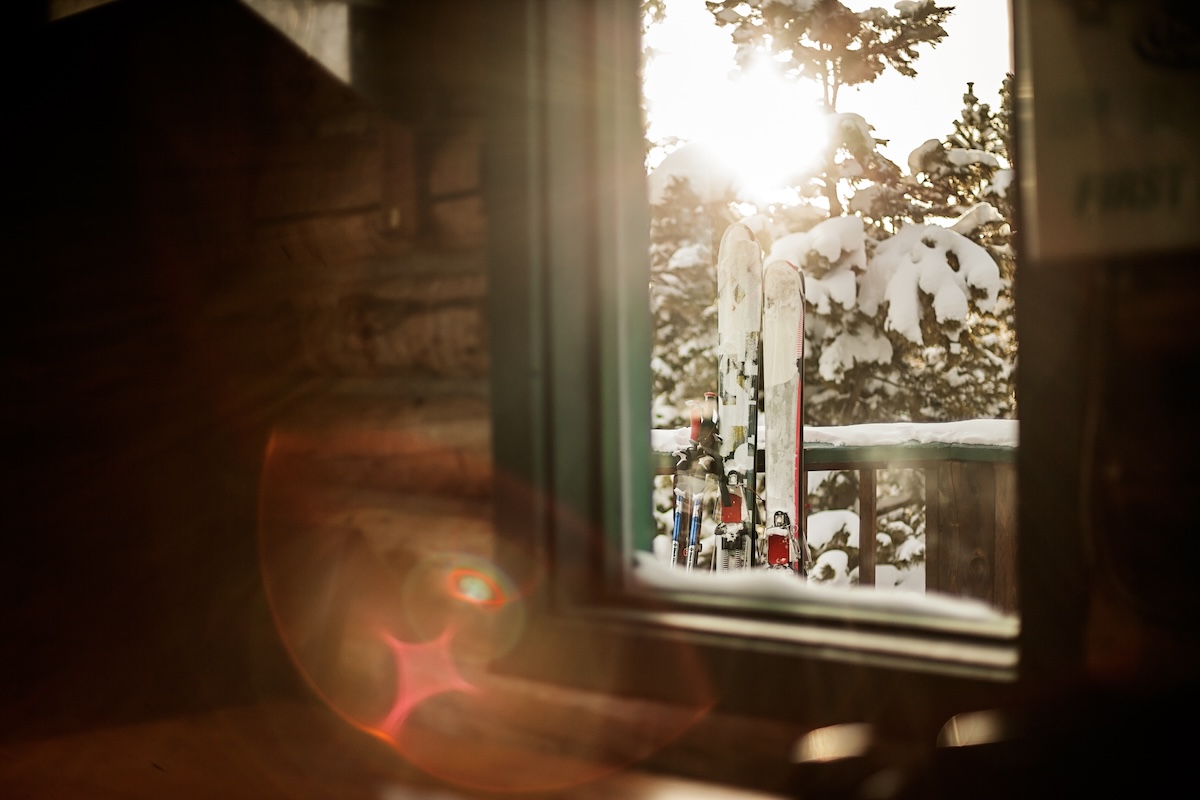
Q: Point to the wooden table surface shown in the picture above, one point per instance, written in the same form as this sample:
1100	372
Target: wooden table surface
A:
284	749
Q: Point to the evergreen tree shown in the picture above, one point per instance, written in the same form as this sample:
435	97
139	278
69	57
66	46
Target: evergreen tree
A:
685	231
868	363
963	180
824	41
653	11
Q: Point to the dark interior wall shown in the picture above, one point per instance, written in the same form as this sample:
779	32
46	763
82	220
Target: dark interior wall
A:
201	222
132	446
1109	367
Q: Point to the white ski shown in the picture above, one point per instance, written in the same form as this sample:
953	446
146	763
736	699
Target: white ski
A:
739	321
783	370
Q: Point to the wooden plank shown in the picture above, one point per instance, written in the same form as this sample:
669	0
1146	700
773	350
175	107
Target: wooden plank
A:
933	531
966	507
456	167
399	183
313	243
364	334
823	455
461	220
866	527
324	179
1006	538
980	558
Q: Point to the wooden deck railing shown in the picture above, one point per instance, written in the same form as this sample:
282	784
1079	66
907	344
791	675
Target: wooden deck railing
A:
970	511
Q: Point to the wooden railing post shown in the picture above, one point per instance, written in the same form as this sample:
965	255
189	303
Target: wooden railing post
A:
1005	596
933	531
866	525
965	551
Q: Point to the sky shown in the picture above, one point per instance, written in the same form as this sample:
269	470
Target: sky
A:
690	95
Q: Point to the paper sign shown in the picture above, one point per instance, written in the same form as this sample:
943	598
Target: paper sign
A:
1109	110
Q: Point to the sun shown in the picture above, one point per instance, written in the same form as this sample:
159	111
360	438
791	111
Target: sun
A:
770	134
763	129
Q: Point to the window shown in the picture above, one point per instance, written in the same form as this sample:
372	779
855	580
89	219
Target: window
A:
570	377
765	124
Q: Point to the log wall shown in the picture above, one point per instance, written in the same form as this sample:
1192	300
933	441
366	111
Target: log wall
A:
227	262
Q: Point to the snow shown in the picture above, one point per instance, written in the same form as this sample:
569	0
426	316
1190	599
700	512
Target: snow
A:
994	432
963	157
829	239
666	440
799	5
917	158
824	525
841	242
975	216
848	349
700	165
850	126
908	550
693	255
864	199
830	569
1000	182
905	580
917	260
649	573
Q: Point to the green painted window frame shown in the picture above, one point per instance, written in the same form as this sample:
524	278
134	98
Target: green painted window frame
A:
570	389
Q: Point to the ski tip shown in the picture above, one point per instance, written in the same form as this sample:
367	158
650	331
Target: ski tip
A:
737	230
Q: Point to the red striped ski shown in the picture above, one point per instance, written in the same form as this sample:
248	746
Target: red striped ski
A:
783	386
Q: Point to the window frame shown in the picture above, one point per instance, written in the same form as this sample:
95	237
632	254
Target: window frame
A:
570	382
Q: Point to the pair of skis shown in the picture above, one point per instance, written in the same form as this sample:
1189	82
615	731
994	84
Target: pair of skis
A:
760	352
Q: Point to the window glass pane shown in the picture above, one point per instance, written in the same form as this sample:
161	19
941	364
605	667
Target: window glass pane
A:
870	150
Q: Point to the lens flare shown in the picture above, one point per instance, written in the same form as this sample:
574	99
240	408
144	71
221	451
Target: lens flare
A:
395	613
473	586
423	670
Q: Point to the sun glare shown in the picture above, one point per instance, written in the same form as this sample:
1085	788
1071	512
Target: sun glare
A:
763	128
770	134
758	128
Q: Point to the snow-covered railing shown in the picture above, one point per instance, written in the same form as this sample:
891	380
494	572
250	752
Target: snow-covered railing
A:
970	494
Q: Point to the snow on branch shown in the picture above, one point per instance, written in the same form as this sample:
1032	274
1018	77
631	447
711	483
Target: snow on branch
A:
830	254
935	261
976	216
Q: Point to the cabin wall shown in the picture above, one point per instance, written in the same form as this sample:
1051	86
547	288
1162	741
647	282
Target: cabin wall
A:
219	251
